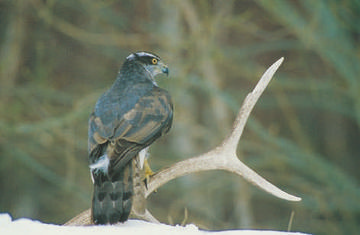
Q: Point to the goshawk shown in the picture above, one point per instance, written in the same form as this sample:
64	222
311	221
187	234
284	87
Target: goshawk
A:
127	118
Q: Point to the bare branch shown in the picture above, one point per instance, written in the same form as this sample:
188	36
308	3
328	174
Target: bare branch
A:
116	39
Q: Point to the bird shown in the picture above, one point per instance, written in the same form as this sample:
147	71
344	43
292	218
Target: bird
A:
126	120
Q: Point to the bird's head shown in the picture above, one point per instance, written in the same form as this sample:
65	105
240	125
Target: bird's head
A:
151	62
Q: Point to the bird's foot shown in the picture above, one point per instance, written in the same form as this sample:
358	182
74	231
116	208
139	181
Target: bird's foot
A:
148	172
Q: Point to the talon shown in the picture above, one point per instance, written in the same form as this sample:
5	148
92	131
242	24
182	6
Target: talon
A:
148	173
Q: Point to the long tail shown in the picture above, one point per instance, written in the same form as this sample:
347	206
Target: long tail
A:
112	198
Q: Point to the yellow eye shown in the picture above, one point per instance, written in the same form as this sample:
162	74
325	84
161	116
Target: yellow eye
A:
154	61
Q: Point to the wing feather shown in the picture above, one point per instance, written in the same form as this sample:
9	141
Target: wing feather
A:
149	118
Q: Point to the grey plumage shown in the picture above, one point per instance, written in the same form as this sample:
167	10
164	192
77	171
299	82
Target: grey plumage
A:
127	118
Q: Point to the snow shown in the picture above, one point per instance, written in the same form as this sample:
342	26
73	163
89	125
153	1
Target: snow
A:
29	227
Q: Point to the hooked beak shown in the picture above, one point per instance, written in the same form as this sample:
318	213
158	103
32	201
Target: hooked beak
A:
165	70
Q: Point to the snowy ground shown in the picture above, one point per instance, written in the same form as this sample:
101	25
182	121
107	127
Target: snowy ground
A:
29	227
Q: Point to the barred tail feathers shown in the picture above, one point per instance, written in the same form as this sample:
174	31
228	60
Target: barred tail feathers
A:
112	197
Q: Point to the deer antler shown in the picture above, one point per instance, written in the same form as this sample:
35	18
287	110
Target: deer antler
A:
223	157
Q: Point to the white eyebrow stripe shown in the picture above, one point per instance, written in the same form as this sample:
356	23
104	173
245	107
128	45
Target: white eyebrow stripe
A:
142	53
130	56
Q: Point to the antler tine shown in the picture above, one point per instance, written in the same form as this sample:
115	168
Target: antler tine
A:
239	168
232	141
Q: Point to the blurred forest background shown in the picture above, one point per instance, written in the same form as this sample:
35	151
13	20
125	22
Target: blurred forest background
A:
57	57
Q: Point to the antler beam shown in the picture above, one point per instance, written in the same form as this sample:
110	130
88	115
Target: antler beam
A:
224	156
